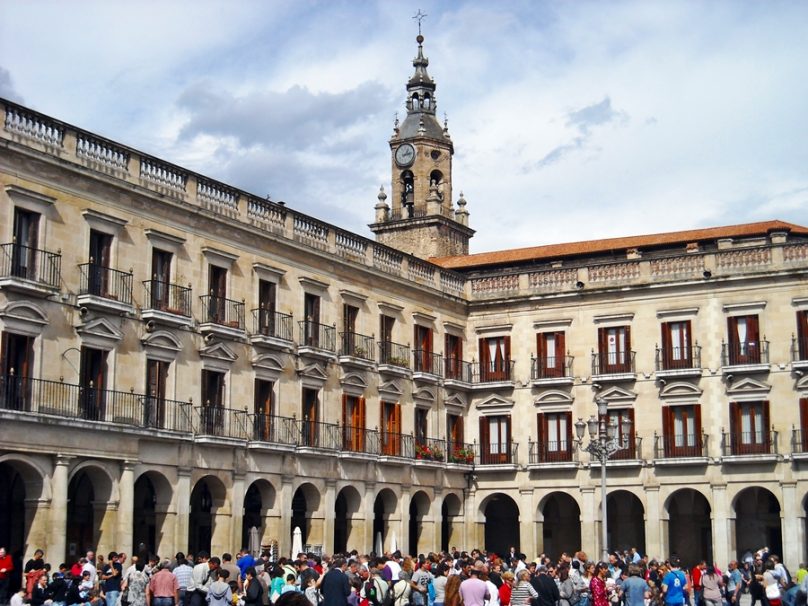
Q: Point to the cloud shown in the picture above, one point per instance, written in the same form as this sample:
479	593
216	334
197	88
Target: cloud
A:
7	90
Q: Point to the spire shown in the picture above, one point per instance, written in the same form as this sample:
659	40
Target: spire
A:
421	119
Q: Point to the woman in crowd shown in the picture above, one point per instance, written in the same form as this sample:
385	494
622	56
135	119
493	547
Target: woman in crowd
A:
523	592
597	586
506	588
453	591
712	584
568	593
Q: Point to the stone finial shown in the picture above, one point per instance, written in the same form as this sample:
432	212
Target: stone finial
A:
382	209
421	127
461	214
446	126
396	128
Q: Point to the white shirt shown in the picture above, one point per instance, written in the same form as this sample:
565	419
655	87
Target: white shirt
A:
93	572
493	593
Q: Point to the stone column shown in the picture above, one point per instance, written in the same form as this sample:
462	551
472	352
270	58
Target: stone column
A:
57	543
589	530
237	526
432	534
328	514
527	523
105	516
790	525
471	526
285	538
402	525
721	531
653	527
37	513
370	497
183	507
126	505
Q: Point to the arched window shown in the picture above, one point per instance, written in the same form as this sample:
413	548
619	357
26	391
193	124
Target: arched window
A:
427	101
408	191
435	177
415	101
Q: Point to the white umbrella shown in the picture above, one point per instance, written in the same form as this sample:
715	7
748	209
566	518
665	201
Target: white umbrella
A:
255	541
393	543
297	541
378	548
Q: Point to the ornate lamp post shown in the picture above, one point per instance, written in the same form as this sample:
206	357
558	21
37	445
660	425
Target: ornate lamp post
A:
603	443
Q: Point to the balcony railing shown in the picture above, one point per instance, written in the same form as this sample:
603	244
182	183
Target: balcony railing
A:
613	363
492	372
502	453
394	354
430	449
318	336
799	441
748	442
633	452
392	444
26	263
551	452
167	297
460	452
85	402
357	346
692	445
427	362
223	312
360	440
457	370
221	422
551	367
274	429
106	283
678	358
799	348
270	323
745	352
314	434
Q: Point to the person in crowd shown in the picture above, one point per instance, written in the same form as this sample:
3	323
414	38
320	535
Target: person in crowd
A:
771	584
597	586
402	589
183	571
219	592
634	589
452	597
164	587
335	586
712	585
675	587
523	592
506	589
134	585
6	569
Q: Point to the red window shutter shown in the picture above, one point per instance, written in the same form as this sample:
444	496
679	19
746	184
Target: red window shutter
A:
540	348
697	425
4	355
508	438
753	329
628	344
668	441
362	413
484	439
767	437
541	432
735	424
345	419
507	352
804	423
460	433
397	410
667	346
484	357
560	351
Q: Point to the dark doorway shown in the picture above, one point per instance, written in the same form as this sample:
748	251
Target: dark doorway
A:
341	524
757	521
626	517
144	529
253	514
200	523
562	525
501	524
690	533
82	532
299	517
12	518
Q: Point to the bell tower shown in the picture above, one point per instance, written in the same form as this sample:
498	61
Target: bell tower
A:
421	218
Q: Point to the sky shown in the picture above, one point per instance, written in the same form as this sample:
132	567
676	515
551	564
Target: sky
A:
570	120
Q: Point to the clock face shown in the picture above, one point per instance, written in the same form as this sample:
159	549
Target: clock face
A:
405	154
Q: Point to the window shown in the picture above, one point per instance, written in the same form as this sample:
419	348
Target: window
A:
802	335
217	288
310	416
614	347
802	441
26	239
391	428
453	356
495	439
495	359
681	431
555	436
421	416
550	358
386	324
156	379
351	345
100	259
744	340
423	350
17	352
353	421
262	410
750	427
676	345
266	308
454	432
212	413
311	313
161	279
92	383
616	417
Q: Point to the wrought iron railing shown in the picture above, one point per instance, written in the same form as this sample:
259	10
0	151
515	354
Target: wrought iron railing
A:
274	429
427	362
551	452
272	324
430	449
319	336
551	367
106	283
457	370
460	452
167	297
680	446
612	363
749	442
799	348
492	372
633	452
799	441
26	263
393	444
394	354
220	422
745	352
678	358
357	346
502	453
222	311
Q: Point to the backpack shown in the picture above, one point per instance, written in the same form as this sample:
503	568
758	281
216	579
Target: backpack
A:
388	599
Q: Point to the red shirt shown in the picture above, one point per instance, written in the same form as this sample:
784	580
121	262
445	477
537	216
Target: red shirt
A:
597	587
7	563
695	576
505	594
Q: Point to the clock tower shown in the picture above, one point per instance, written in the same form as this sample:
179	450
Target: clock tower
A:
421	218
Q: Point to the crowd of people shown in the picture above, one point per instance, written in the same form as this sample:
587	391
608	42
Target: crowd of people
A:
452	578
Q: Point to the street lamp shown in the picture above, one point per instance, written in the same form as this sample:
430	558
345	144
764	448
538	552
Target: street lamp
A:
603	443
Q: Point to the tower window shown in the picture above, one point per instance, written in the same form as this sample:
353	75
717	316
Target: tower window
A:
415	101
427	102
408	192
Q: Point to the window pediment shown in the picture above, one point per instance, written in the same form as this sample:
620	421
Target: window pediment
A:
29	200
268	272
102	222
161	344
747	388
218	257
680	392
455	404
554	397
495	404
100	333
218	352
267	365
312	284
354	298
354	383
735	309
618	395
614	319
424	395
494	329
552	325
390	389
686	312
313	374
163	240
24	317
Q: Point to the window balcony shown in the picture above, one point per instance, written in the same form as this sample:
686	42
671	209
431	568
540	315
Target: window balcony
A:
680	449
551	370
271	429
502	453
460	453
272	329
799	444
613	366
396	445
745	356
626	457
218	422
427	366
222	317
492	375
317	340
430	449
799	351
394	359
29	271
749	446
105	289
86	403
167	303
356	349
678	361
457	373
552	454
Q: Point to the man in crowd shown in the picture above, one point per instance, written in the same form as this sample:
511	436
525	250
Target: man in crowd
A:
164	588
334	586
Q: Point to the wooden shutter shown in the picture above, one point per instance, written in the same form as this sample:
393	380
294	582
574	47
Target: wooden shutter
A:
484	357
507	348
667	347
767	436
4	355
484	440
632	442
668	434
735	426
568	415
560	354
541	350
626	361
541	437
362	413
507	418
603	345
804	424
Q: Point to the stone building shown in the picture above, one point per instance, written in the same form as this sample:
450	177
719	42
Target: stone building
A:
183	362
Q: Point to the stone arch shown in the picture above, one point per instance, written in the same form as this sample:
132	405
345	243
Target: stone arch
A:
419	509
450	531
89	496
690	533
757	520
501	515
305	501
625	513
384	509
206	528
21	481
259	500
560	516
347	508
153	498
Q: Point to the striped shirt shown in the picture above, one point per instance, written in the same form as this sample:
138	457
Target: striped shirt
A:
183	573
522	593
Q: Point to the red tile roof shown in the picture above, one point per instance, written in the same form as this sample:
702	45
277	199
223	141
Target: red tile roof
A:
593	247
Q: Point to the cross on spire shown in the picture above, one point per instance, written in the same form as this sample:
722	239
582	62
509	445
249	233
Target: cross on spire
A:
419	16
